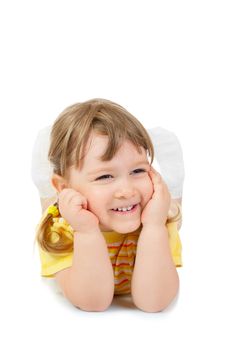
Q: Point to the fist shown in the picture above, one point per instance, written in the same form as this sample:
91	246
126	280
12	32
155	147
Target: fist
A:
73	208
156	210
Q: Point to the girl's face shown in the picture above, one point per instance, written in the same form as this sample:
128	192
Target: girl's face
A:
116	190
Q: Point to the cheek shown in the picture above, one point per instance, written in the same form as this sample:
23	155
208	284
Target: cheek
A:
95	198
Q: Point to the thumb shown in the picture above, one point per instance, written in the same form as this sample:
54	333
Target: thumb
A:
85	204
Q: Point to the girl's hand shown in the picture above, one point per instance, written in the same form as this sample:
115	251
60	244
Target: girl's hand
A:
156	211
73	208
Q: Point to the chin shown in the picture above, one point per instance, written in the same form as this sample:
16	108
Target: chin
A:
126	228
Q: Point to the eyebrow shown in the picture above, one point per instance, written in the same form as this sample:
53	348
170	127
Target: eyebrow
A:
111	168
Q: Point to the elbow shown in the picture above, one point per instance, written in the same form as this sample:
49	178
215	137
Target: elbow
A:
153	308
156	304
86	298
90	304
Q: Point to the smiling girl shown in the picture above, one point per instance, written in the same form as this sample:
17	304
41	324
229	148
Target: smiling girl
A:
109	232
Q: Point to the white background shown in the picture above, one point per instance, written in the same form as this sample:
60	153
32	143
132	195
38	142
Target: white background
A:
169	64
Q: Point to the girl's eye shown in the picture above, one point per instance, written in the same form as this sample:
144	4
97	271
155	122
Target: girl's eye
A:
108	176
137	171
103	177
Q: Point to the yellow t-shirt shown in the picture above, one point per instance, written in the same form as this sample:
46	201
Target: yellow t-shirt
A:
122	252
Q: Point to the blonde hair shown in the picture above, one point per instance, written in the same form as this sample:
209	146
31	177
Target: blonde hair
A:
69	136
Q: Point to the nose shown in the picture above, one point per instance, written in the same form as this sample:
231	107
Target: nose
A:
127	191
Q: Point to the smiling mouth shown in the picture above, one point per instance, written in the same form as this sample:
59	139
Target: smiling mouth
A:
124	210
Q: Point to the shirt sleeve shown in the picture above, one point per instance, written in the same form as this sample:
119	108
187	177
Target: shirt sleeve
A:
175	243
52	263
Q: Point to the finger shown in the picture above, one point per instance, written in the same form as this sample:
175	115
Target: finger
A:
66	195
156	177
79	200
76	199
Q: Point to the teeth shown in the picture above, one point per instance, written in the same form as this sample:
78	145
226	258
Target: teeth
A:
124	209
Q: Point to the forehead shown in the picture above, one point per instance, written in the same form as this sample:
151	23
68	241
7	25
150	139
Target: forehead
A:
96	147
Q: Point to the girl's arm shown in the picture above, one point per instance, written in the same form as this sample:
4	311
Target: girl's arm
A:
89	282
155	281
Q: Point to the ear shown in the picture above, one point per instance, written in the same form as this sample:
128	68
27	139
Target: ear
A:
58	182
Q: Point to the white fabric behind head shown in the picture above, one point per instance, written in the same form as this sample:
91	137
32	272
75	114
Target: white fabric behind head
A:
41	169
168	154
